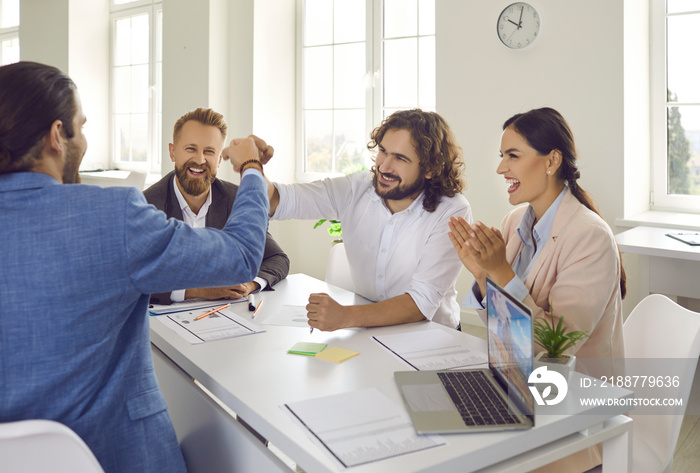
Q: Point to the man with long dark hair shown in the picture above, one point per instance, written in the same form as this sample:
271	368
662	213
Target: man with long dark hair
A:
78	265
395	222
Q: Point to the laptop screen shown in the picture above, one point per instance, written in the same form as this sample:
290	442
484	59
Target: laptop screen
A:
510	343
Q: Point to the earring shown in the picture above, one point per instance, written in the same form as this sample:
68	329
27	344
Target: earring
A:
549	172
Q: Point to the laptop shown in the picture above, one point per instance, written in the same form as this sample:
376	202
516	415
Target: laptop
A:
479	399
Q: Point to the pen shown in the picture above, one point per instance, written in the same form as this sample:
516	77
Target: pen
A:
311	331
211	312
257	309
251	302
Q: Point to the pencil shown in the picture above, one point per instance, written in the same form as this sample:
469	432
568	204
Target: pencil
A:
211	312
257	309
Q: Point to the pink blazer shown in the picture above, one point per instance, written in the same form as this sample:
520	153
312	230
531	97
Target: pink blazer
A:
578	273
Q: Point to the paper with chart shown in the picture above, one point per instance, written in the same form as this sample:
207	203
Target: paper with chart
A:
432	349
360	427
217	326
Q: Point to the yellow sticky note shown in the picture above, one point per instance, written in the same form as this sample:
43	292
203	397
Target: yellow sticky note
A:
336	354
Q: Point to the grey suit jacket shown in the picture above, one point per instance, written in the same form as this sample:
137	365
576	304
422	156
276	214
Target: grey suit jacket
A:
275	264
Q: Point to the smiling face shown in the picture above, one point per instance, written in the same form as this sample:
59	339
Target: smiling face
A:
197	155
531	176
398	177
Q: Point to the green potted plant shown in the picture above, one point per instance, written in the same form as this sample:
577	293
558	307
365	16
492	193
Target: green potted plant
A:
555	340
334	230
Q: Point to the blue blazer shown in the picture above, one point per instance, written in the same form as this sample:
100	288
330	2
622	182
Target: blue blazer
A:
77	266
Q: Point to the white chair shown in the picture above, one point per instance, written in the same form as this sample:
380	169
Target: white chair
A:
38	446
338	268
658	328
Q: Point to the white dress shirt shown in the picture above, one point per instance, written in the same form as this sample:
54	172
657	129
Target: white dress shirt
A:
408	252
195	220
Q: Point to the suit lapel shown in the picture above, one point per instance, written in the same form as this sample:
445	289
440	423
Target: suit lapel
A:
565	212
218	210
172	206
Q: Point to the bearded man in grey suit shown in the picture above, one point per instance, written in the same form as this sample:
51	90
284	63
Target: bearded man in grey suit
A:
194	194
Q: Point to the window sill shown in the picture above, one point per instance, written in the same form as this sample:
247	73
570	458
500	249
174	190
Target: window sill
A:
652	218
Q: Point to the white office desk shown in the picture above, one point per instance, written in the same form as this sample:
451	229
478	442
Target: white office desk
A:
253	375
674	267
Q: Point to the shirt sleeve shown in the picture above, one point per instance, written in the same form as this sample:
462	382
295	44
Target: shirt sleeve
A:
517	289
439	266
178	296
261	282
319	199
476	300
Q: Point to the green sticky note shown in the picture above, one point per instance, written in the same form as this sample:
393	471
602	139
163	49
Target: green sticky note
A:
336	354
307	348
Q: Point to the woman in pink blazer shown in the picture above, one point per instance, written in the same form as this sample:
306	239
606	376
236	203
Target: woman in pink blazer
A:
556	254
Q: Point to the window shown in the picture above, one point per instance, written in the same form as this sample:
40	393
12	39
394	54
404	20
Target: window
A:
675	105
136	84
9	31
361	61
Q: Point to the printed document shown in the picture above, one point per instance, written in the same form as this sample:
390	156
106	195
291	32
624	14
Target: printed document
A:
217	326
432	349
360	427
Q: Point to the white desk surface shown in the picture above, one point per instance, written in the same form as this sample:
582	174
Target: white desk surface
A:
254	376
652	241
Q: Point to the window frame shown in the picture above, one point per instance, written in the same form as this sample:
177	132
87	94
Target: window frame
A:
659	199
153	8
374	80
8	34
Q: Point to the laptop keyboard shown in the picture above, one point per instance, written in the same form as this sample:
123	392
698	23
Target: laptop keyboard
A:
476	399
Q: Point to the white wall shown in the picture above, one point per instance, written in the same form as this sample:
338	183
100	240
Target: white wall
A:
187	62
59	33
481	83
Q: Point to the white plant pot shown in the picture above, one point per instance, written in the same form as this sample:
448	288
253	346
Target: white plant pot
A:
564	365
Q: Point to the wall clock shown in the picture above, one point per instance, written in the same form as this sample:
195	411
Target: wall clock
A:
518	25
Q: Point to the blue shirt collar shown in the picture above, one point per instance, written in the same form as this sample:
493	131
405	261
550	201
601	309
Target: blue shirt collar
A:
543	227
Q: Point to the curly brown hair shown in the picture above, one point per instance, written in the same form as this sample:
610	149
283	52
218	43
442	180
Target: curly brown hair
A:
437	150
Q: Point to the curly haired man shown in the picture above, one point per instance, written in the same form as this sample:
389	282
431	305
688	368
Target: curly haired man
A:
395	224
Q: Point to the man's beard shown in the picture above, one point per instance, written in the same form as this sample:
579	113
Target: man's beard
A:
71	167
195	186
399	192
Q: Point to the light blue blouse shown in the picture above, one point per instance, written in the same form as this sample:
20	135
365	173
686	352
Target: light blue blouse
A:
528	253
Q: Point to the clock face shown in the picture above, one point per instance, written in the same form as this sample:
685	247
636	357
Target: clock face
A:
518	25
